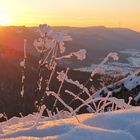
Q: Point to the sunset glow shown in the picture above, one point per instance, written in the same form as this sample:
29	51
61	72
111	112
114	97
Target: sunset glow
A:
79	13
4	19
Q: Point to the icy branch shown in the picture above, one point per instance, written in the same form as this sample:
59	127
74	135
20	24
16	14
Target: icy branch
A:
59	99
43	107
23	65
77	97
62	76
100	67
80	55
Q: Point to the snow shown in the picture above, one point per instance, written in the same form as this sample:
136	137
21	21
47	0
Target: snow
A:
132	82
110	67
117	125
132	62
132	52
137	97
133	57
100	67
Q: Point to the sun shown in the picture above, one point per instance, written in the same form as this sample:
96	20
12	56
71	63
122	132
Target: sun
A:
4	19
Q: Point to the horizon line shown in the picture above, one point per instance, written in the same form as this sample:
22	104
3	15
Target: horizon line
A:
67	26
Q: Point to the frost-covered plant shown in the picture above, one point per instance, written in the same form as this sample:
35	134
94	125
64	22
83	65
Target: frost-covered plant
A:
1	115
50	46
60	87
80	55
63	77
1	129
5	116
98	70
23	66
43	107
100	67
104	102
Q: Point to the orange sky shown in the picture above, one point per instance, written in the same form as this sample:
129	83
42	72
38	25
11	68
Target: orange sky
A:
110	13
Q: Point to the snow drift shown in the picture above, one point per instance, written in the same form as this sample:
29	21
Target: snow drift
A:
122	125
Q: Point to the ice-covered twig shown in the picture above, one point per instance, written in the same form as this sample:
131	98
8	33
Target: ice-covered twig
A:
104	101
5	116
77	97
1	115
50	42
61	76
100	67
60	87
80	55
59	99
51	75
129	101
23	65
1	129
112	100
43	107
49	113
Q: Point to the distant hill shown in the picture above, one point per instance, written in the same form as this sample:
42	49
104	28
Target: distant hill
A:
98	41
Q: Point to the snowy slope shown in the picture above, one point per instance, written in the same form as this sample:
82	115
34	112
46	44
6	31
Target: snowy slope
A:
131	63
127	89
117	125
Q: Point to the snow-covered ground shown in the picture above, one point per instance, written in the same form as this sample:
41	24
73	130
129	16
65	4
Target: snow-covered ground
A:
117	125
132	58
111	67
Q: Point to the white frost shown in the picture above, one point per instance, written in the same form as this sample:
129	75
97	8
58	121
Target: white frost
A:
117	125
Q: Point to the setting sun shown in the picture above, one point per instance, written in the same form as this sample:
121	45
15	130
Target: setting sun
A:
4	19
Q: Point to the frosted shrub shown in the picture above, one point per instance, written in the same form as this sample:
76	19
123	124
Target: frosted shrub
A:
1	115
51	47
80	55
43	107
100	67
23	66
1	129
